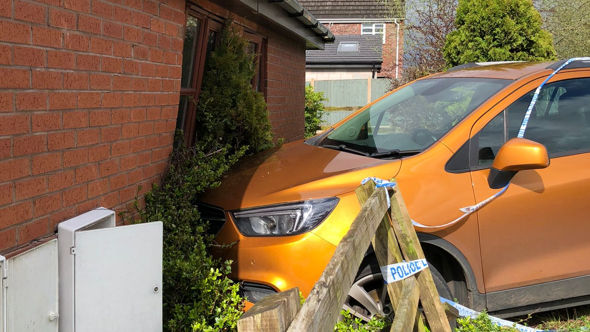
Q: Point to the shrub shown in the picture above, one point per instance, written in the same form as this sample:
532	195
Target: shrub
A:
196	289
481	323
351	324
232	121
314	108
230	111
497	30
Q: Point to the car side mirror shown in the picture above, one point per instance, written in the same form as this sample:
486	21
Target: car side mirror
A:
518	154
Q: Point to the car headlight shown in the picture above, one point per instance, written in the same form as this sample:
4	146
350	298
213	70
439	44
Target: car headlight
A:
284	219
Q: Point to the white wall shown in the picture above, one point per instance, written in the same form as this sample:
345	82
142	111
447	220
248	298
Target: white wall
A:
337	74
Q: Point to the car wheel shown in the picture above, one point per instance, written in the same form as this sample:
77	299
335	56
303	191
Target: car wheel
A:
368	295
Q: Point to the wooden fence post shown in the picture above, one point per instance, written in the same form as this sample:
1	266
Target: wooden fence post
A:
274	313
280	312
369	81
387	251
410	245
322	307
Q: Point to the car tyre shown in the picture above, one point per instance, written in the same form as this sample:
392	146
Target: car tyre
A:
368	295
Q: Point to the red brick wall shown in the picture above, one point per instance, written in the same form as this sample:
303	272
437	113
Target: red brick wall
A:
88	105
345	28
285	86
388	66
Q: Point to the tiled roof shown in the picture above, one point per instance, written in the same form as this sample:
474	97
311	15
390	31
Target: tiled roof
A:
354	9
369	52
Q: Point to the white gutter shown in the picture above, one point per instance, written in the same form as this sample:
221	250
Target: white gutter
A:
358	20
4	295
396	49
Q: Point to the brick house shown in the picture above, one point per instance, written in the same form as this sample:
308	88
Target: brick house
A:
349	57
93	90
366	17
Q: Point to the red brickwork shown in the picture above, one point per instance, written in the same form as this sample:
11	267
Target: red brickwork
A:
388	66
88	103
285	82
345	28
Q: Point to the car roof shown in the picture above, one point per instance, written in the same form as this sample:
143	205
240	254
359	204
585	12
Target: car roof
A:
510	70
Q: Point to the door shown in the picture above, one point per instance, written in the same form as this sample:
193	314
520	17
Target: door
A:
118	279
537	231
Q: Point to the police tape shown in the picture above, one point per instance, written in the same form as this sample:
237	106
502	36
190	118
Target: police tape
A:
466	312
396	272
380	183
467	211
400	271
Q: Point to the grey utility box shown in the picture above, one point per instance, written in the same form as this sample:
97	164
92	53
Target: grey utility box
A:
110	278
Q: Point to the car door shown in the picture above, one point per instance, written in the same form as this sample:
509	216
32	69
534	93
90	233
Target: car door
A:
534	238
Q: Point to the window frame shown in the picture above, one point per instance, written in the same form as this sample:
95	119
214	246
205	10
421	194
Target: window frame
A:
261	51
194	90
509	100
210	22
373	29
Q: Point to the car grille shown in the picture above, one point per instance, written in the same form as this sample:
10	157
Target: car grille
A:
212	214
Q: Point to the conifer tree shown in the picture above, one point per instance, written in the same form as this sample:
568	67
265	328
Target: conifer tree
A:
497	30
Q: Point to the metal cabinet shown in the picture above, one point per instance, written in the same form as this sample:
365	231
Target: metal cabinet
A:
29	293
110	278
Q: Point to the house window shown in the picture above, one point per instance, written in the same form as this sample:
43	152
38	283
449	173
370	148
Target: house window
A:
256	46
348	47
201	37
373	29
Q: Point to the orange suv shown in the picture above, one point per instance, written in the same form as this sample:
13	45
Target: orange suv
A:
449	141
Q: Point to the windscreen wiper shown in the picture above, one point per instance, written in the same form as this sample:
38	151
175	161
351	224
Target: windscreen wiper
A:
394	153
343	147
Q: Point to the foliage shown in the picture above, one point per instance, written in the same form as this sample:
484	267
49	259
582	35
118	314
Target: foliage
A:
481	323
576	319
230	111
569	23
198	295
426	26
196	289
349	323
314	108
497	30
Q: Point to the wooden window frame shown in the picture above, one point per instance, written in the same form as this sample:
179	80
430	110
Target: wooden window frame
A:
261	51
193	92
210	22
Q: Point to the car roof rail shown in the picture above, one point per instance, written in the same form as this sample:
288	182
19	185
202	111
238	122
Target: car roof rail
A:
574	65
479	64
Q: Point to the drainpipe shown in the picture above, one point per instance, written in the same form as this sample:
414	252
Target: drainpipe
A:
396	48
4	295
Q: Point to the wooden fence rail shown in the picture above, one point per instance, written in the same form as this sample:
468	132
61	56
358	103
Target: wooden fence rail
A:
394	239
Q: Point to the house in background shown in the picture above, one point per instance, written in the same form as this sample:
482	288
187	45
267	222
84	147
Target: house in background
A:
365	18
349	57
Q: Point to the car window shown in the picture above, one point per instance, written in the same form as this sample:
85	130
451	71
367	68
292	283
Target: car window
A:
560	121
414	117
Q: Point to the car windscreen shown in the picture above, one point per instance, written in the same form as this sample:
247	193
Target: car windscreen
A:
411	119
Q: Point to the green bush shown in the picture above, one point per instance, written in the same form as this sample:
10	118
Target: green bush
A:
196	290
349	323
232	121
314	108
497	30
481	323
229	110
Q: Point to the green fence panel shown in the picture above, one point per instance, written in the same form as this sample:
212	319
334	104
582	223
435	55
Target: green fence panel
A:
343	93
333	117
379	87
